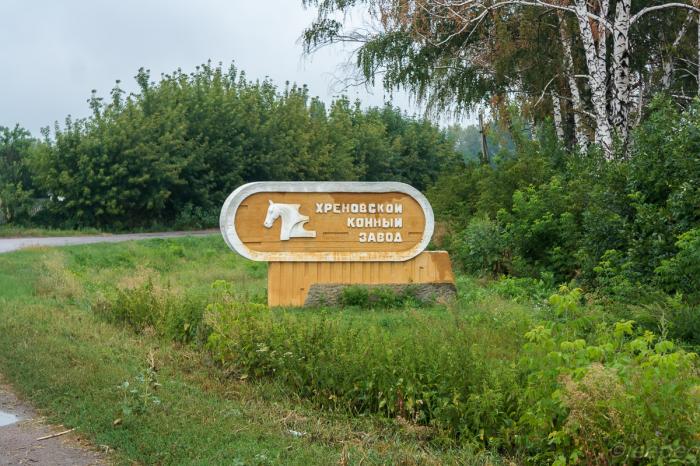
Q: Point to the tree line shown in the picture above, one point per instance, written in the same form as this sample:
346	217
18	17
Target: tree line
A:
628	227
590	66
598	181
170	153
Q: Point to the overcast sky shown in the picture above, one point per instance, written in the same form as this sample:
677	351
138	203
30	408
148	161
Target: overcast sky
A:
53	53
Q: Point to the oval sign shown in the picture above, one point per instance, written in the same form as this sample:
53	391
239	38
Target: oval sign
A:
327	221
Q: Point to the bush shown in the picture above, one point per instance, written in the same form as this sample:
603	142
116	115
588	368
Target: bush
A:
481	249
170	153
574	389
524	289
677	319
355	296
616	399
378	297
543	229
622	226
17	203
196	217
173	315
681	273
425	370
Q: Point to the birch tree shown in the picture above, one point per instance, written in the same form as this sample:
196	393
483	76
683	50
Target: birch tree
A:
456	54
577	102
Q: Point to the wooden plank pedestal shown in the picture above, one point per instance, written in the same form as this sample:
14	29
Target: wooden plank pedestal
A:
288	283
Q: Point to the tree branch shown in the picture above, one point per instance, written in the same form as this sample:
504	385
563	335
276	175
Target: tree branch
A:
544	91
649	9
497	5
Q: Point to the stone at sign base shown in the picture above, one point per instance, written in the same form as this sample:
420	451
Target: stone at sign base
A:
290	283
331	294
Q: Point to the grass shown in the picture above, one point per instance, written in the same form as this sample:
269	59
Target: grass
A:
70	361
163	351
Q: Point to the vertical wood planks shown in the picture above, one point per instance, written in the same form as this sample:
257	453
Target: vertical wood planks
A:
289	282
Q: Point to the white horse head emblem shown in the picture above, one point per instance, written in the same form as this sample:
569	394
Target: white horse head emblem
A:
292	221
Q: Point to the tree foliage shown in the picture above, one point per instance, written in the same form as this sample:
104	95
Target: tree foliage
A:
619	226
175	149
590	66
16	184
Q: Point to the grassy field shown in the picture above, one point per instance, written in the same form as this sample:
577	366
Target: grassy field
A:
164	351
71	362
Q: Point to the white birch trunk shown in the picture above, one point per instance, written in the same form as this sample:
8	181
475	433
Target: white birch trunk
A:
668	72
640	98
602	30
558	121
597	71
579	130
621	65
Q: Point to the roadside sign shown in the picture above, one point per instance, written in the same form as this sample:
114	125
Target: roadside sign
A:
327	221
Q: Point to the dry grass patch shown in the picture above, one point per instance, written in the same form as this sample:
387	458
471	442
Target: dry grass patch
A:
56	280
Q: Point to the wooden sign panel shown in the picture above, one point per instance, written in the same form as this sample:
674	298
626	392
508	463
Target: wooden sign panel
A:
288	283
327	221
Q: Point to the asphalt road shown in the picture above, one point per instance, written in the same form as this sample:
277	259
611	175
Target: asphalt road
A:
13	244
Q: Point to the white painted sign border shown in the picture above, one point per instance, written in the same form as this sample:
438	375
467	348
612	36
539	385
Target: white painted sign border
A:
228	215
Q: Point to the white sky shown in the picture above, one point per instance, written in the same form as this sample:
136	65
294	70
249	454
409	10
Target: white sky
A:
53	53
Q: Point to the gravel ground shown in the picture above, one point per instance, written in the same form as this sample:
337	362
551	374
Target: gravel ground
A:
20	444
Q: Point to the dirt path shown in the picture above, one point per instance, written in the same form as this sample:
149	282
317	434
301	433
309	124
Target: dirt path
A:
19	442
13	244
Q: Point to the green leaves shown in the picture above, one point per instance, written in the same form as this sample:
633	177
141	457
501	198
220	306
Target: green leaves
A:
618	386
173	152
16	184
681	273
139	394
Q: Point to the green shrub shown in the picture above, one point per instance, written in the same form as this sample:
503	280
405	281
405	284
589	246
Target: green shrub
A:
191	216
384	297
622	226
681	273
422	369
572	390
17	190
481	249
542	230
173	315
169	153
677	319
606	399
138	395
524	289
377	297
615	278
561	384
355	296
138	307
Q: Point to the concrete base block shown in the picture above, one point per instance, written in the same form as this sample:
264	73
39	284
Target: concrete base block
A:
330	294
